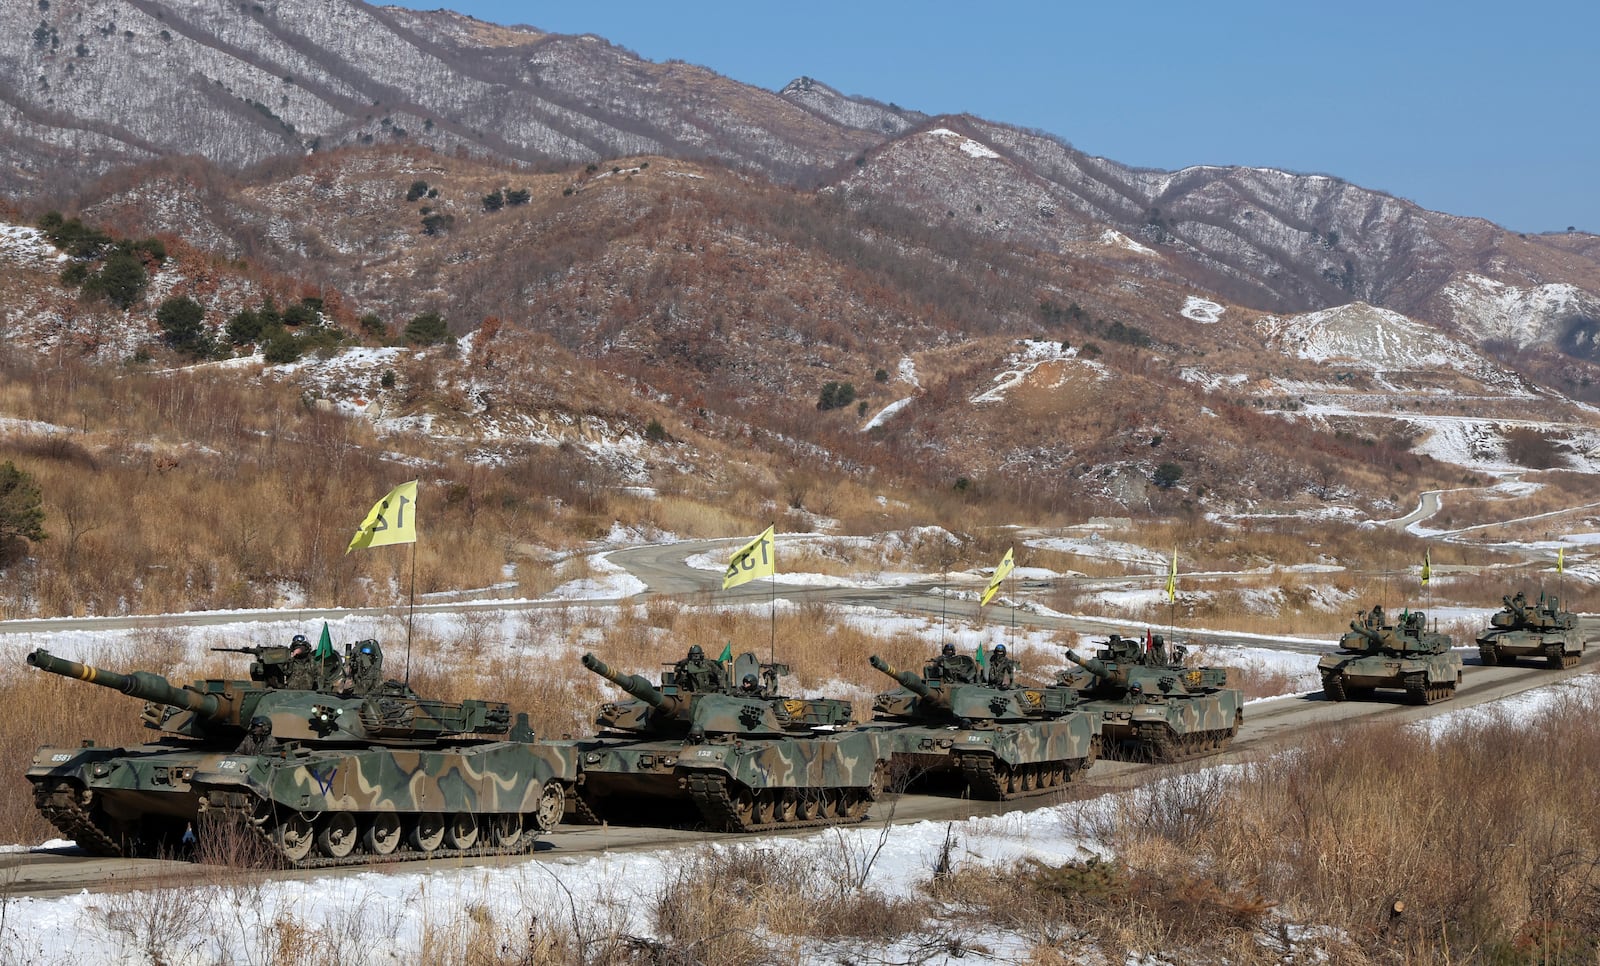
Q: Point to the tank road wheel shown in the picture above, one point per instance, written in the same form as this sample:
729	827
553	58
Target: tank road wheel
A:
1030	778
744	806
294	836
1488	655
880	781
809	804
504	831
1333	687
337	836
1553	656
856	803
1005	778
787	807
552	805
461	831
427	832
382	834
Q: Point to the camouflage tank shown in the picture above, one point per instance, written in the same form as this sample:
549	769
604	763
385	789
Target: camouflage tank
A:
998	743
1542	630
1153	707
1407	656
319	777
735	759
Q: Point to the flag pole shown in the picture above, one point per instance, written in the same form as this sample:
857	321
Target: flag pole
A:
411	612
772	607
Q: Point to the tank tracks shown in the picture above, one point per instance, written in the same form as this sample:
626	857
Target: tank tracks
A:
1172	747
330	839
1430	693
63	804
1555	656
994	780
727	808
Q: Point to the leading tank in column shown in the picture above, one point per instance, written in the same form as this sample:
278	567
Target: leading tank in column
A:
316	778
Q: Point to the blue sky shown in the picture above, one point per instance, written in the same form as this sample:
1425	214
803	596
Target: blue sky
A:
1470	108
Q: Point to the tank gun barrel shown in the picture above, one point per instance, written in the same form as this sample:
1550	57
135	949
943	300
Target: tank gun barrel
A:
633	684
139	684
1366	632
1094	666
909	680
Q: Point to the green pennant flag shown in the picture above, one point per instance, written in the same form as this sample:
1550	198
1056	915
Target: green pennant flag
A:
981	657
727	653
325	646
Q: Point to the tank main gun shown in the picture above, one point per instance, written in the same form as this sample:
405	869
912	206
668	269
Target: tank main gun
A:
910	680
1373	638
638	687
141	684
1098	668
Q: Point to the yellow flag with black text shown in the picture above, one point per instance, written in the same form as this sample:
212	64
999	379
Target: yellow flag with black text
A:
756	559
393	519
1561	559
1172	578
1427	567
1000	573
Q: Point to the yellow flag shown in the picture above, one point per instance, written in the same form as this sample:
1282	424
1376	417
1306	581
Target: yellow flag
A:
1561	559
1000	574
758	558
1172	578
393	520
1427	567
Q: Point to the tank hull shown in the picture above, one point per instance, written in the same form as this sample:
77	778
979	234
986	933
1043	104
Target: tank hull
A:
307	808
998	761
1426	679
1559	648
1175	728
746	785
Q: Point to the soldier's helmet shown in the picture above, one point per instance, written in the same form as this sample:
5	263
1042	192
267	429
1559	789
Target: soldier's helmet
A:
999	650
949	650
695	653
260	724
299	645
750	683
368	650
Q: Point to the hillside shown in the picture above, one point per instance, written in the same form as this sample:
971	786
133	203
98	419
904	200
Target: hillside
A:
824	308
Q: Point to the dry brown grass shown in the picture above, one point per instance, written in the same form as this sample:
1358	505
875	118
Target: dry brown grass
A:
1361	819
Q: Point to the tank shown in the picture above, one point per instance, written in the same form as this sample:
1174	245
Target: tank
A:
1406	656
317	777
997	743
1151	705
1521	631
730	758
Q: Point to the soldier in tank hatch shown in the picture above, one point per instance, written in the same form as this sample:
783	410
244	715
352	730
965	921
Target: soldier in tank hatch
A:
1002	668
952	667
698	673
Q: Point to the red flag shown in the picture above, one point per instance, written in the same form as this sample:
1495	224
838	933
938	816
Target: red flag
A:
1149	643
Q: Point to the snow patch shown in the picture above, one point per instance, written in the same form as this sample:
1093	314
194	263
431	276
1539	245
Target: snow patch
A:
1204	311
